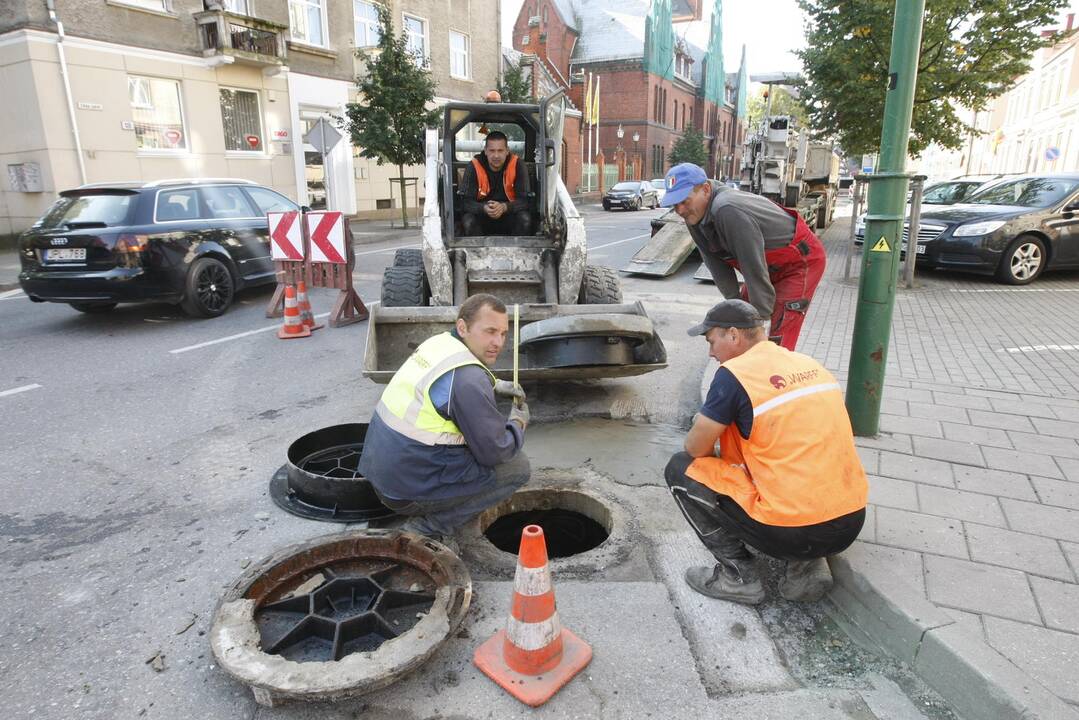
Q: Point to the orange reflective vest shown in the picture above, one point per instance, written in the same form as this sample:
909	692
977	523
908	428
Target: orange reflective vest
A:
799	466
509	176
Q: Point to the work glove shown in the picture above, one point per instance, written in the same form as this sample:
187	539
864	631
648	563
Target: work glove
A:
505	388
519	414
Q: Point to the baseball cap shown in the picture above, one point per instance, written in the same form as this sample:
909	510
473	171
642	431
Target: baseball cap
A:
680	181
728	314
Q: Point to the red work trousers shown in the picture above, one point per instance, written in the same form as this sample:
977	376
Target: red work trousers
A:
795	271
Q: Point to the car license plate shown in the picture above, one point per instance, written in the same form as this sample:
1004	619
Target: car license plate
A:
921	249
65	254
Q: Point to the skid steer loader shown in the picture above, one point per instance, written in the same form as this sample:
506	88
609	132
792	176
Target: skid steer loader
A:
573	323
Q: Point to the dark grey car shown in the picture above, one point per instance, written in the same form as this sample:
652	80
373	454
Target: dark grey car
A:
631	195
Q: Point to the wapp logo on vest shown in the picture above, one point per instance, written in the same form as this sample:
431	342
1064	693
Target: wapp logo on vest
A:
779	382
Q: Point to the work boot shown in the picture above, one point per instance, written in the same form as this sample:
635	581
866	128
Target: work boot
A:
806	580
734	580
418	526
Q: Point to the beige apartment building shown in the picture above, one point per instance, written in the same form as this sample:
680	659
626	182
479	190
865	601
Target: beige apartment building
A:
108	90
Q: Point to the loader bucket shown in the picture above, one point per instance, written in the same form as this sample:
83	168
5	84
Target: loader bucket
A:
664	253
558	342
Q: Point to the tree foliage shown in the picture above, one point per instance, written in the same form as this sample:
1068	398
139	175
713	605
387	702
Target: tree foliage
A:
514	87
388	123
971	52
783	103
689	148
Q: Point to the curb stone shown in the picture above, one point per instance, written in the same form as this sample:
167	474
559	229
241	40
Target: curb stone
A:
976	680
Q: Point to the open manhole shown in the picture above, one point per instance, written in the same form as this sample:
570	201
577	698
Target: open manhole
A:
322	481
339	616
584	529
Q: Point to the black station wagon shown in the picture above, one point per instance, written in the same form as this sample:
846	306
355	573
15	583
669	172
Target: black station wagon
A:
191	242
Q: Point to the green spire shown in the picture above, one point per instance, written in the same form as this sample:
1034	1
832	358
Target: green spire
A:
743	86
715	79
659	40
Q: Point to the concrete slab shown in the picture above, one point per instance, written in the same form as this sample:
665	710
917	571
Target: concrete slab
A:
994	482
970	506
917	531
890	492
1058	601
963	453
1030	553
1050	655
979	588
909	467
1057	492
1060	523
1020	462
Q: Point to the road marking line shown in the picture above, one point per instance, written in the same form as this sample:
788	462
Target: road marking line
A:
619	242
1038	348
16	391
994	290
12	294
389	249
248	333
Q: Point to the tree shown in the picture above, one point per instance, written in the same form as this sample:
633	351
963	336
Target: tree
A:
972	51
514	88
783	103
389	122
689	148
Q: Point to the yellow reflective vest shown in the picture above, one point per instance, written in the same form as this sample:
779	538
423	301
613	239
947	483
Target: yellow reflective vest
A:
799	465
406	405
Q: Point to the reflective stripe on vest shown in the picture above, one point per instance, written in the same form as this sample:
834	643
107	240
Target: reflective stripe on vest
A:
800	465
406	405
509	176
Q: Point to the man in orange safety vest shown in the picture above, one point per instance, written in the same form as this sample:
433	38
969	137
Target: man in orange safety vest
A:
493	194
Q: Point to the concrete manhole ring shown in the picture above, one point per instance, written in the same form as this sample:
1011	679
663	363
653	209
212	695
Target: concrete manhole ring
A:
558	490
381	601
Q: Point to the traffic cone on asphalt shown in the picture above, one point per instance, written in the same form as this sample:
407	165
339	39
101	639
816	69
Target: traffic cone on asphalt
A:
306	315
534	657
293	327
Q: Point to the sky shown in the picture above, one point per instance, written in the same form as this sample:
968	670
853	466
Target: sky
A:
771	30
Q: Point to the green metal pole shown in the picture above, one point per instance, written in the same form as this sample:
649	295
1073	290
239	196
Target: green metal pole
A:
884	226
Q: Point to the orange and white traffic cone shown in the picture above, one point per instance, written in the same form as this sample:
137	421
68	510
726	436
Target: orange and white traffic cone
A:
306	315
293	327
534	657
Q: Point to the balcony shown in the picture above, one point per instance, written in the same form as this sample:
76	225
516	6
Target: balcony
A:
245	40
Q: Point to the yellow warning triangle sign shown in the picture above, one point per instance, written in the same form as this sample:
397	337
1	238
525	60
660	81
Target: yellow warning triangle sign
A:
881	246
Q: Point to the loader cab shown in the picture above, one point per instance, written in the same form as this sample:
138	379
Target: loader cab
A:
534	135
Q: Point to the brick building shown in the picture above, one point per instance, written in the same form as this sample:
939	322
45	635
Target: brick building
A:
652	83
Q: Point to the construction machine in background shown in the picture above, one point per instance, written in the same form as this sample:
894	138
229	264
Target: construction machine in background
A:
574	323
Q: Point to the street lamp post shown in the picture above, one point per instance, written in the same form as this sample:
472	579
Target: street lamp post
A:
637	155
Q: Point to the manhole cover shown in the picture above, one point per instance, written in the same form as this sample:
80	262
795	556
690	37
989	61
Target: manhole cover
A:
567	532
322	481
339	616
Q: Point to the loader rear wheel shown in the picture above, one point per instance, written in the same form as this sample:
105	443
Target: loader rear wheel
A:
600	286
404	287
408	257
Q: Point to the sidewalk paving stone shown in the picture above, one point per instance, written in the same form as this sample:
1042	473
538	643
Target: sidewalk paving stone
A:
953	399
973	507
1049	655
1058	602
1070	414
917	531
890	492
1022	462
931	411
1045	444
994	482
894	442
964	453
1060	523
1057	492
1023	407
976	434
1032	554
980	588
1070	468
1059	428
1001	421
910	467
910	426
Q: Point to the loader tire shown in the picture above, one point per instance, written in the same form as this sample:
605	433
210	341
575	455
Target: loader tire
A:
408	257
600	286
404	287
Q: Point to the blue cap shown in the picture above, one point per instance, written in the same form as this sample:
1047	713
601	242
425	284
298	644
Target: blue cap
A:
680	181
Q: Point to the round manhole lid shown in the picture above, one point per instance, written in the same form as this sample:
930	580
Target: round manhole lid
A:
339	616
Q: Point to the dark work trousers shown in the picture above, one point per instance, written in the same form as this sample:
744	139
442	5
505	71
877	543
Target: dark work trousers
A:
512	223
723	526
445	516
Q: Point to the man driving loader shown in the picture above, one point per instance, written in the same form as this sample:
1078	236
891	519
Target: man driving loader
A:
493	195
438	450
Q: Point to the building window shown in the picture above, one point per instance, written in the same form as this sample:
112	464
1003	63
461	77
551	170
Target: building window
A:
460	64
367	28
544	14
416	38
525	40
307	18
242	120
240	7
157	111
159	5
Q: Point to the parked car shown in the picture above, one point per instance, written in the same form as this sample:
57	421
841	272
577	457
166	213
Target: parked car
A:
947	192
660	186
191	242
631	195
1014	228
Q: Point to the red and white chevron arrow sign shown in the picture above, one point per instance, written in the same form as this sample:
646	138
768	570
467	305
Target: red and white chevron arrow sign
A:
286	242
327	233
